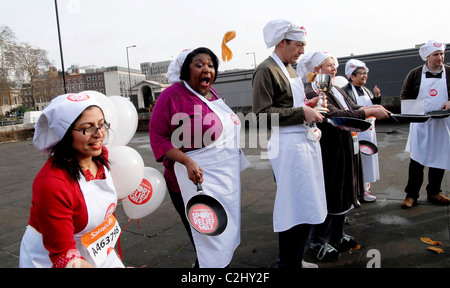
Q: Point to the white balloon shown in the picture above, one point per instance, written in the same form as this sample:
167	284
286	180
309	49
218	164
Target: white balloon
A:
147	197
127	169
110	112
340	81
127	120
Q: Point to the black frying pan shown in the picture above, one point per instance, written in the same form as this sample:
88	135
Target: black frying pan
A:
349	124
409	118
439	114
205	214
367	147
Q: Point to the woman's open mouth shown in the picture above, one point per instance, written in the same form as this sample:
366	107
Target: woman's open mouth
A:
205	81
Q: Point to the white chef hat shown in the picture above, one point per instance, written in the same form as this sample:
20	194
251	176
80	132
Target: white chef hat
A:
310	60
429	48
277	30
174	70
352	65
57	117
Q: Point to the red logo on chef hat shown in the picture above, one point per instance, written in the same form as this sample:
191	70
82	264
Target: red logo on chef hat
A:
437	44
78	97
433	92
235	119
304	30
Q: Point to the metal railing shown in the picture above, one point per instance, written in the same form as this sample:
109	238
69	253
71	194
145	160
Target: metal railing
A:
10	122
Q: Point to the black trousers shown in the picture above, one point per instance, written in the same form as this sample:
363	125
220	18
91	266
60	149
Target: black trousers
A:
330	231
292	246
177	201
415	180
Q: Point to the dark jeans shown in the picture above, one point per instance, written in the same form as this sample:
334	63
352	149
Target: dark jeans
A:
292	246
415	180
177	201
330	231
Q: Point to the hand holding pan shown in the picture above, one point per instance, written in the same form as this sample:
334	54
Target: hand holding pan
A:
367	147
205	214
409	118
349	124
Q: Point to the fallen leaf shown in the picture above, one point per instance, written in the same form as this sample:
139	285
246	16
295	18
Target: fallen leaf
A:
435	249
429	241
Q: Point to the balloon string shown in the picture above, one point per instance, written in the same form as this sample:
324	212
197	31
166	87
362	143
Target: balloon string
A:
119	247
129	220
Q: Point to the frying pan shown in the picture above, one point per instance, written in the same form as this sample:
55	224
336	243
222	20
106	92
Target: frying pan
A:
367	147
409	118
439	114
349	124
205	214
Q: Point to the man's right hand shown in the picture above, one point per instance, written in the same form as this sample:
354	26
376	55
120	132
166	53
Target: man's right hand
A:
312	116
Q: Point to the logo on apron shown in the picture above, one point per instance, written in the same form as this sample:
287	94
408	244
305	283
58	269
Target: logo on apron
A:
235	119
110	210
433	92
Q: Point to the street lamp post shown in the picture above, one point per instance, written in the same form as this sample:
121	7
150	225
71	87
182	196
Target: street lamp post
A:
254	57
60	48
129	74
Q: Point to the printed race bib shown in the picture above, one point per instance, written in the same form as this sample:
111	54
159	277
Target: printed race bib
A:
101	241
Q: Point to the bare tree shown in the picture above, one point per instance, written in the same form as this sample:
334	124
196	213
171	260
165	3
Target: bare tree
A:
31	61
7	41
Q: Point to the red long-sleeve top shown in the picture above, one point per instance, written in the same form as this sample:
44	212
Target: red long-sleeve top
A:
58	210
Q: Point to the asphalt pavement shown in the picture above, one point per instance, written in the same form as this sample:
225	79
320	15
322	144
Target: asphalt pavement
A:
389	237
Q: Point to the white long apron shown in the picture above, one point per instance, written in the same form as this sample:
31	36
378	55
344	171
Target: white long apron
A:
370	162
296	161
221	165
429	142
101	200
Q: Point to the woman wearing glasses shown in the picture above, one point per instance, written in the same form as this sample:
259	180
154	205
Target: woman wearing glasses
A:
71	217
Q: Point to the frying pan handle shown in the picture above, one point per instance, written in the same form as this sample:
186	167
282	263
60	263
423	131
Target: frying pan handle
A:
199	187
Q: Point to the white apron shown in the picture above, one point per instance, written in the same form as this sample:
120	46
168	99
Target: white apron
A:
429	142
296	158
370	162
101	231
221	165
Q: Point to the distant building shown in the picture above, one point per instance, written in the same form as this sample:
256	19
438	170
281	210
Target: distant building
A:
9	99
117	80
146	93
156	71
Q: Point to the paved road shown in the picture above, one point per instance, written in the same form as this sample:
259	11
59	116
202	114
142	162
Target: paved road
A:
383	229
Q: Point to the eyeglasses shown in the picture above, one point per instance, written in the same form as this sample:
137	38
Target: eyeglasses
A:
93	130
360	72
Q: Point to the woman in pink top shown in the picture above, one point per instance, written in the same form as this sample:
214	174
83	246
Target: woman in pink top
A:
180	114
196	136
